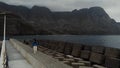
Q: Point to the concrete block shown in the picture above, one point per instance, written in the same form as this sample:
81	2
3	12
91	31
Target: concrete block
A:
112	52
76	50
112	63
61	47
85	67
98	66
87	47
85	54
98	49
68	49
97	58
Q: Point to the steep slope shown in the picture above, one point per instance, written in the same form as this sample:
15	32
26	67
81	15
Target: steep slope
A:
15	25
90	21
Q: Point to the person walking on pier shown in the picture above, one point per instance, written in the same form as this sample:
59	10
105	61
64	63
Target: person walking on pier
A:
35	44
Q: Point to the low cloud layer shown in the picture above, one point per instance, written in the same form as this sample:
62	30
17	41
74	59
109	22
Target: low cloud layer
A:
110	6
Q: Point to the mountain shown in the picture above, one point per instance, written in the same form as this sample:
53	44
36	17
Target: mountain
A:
86	21
118	25
15	25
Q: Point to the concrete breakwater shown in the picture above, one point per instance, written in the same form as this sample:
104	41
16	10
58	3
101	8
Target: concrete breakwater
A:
104	56
40	60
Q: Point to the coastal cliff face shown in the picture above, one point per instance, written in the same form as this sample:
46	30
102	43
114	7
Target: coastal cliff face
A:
15	25
41	20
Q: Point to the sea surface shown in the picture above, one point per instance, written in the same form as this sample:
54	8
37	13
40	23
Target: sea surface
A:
103	40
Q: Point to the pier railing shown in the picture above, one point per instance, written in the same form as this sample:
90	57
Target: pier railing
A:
3	56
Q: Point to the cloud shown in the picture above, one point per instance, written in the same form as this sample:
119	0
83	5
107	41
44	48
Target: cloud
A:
110	6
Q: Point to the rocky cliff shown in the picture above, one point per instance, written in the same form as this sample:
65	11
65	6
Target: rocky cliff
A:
15	25
86	21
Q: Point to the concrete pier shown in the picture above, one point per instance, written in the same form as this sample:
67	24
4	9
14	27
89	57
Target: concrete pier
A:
15	59
39	60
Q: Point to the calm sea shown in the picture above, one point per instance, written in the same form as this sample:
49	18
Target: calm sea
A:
105	40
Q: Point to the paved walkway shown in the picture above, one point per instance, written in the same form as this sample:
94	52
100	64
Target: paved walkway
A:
15	59
39	60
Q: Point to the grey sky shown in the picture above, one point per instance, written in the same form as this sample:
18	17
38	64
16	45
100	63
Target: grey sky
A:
110	6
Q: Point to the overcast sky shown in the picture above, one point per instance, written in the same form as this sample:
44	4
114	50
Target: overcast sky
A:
112	7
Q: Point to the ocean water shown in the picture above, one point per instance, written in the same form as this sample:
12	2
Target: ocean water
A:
104	40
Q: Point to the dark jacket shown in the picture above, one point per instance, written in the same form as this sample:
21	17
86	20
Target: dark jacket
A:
35	43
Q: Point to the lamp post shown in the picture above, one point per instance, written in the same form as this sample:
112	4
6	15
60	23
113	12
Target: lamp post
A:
4	27
3	50
4	32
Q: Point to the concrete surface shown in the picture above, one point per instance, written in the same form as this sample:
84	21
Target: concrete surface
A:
15	59
39	60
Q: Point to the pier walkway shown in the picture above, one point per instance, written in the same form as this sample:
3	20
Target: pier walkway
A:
15	59
15	54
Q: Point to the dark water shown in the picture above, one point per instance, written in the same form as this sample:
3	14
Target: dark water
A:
105	40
